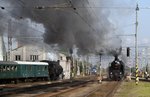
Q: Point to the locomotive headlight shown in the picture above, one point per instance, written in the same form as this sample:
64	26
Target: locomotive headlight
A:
120	72
110	72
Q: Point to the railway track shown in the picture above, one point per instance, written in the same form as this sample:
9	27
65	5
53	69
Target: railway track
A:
142	79
71	88
107	89
113	89
84	87
46	89
102	91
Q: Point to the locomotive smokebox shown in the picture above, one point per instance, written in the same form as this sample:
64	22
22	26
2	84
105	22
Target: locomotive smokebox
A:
116	70
116	57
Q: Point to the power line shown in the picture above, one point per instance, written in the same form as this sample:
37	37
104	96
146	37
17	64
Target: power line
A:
127	35
20	18
80	7
77	13
74	10
22	24
92	9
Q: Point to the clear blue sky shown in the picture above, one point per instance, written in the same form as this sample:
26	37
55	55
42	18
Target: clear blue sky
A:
124	19
143	20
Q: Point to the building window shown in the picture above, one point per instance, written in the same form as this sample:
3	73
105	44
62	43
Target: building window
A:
18	57
34	57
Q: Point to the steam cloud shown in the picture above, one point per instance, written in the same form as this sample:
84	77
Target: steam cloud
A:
67	22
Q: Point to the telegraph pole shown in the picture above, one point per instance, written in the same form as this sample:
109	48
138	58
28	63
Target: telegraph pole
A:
100	69
100	73
9	41
72	66
136	47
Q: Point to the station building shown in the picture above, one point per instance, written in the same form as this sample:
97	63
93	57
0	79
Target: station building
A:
34	53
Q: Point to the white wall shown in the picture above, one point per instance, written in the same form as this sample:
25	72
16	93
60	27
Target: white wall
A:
26	51
65	65
1	48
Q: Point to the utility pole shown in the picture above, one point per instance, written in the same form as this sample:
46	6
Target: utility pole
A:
72	64
100	69
136	47
100	72
9	41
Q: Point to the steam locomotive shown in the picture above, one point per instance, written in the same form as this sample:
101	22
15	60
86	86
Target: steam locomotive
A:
54	69
15	71
116	70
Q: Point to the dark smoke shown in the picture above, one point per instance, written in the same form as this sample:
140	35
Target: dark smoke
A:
71	22
2	23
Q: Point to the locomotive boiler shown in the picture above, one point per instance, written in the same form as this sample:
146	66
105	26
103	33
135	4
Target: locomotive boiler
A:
54	69
116	69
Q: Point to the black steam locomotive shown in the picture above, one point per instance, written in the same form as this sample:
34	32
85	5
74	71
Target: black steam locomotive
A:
116	70
54	69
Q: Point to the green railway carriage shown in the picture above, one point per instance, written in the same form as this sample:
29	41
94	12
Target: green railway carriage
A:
19	70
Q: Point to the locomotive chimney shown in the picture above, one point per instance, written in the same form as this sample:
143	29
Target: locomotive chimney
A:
116	57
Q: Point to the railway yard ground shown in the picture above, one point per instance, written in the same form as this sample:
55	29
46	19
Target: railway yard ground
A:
79	87
130	89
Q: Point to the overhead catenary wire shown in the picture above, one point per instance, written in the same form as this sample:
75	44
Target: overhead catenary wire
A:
49	22
21	17
77	13
92	9
36	16
79	7
22	4
6	20
64	6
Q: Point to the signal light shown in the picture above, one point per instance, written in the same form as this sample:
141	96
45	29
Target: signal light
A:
128	51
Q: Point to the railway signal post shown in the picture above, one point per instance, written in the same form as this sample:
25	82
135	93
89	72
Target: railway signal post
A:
100	72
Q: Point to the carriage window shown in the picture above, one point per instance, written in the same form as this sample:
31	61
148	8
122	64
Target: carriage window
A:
45	67
15	68
12	68
4	68
8	68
